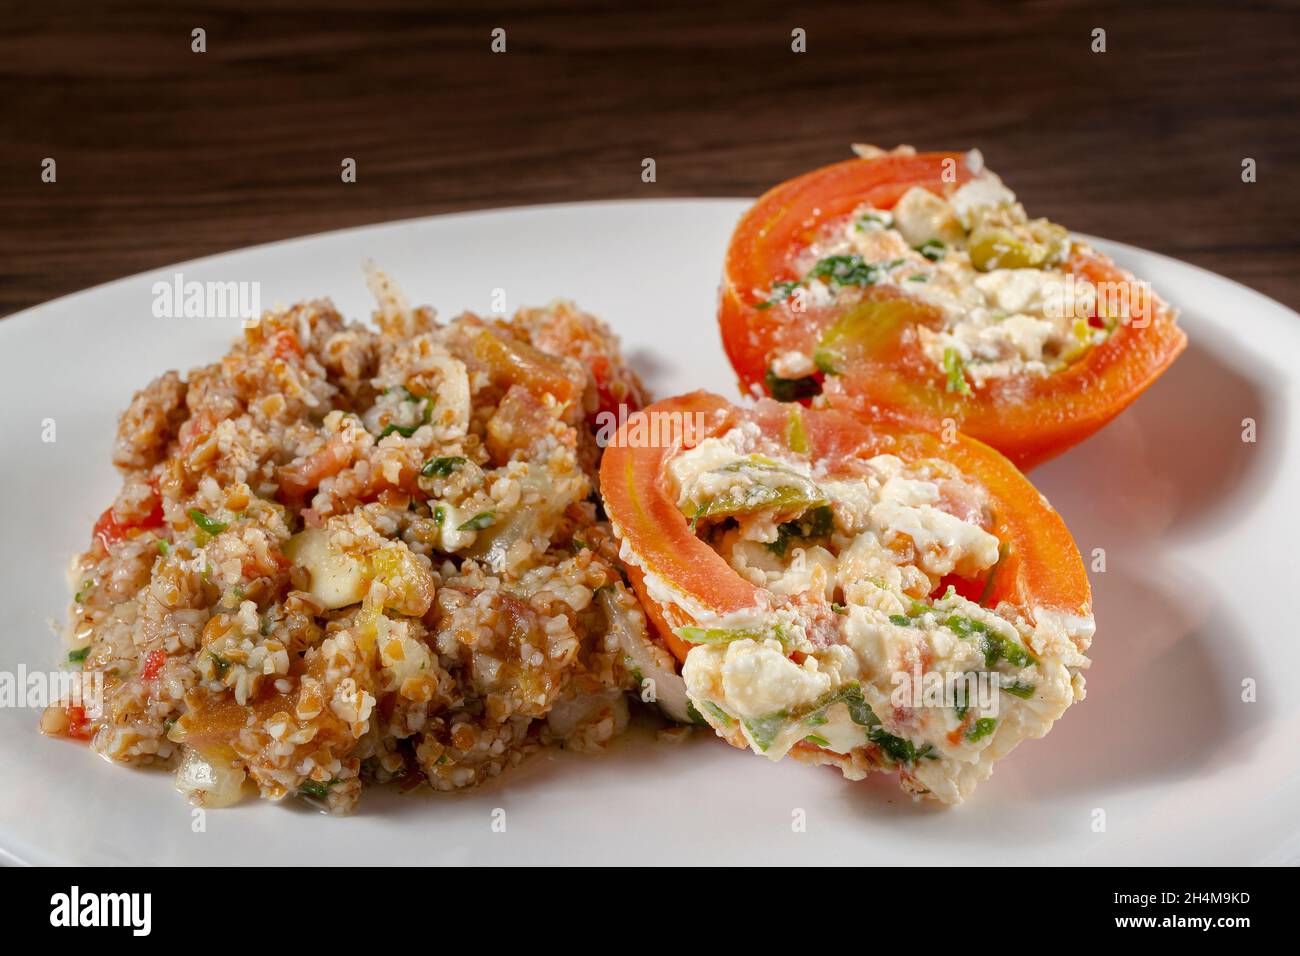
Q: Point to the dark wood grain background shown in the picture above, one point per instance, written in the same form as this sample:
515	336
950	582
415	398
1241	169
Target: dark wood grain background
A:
164	154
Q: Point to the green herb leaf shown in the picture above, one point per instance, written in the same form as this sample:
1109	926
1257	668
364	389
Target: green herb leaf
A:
780	292
898	749
725	635
220	664
1022	689
764	730
315	789
815	523
840	271
442	467
484	519
956	371
981	729
721	715
696	717
791	389
932	249
406	431
850	695
818	740
210	525
78	656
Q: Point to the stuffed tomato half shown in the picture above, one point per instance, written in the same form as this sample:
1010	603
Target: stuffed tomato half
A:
915	287
855	595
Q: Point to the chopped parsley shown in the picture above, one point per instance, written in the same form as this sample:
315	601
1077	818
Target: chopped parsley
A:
780	292
850	695
406	431
995	646
899	749
442	467
914	613
871	219
315	789
791	389
78	656
815	523
839	271
219	663
932	249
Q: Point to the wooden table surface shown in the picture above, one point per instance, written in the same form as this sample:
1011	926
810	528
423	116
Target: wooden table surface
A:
164	154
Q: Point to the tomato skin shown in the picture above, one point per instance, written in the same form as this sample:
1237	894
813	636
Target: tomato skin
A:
79	725
287	347
789	216
1029	419
1040	567
153	663
111	532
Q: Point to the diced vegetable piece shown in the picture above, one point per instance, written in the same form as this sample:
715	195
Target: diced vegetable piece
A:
764	730
760	485
725	635
956	372
337	579
513	362
409	584
647	658
204	523
999	242
865	327
209	783
484	519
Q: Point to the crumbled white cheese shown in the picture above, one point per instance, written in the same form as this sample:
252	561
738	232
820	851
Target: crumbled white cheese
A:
793	365
981	192
897	529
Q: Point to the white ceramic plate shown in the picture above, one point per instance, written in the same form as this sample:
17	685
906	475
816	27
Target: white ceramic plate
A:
1199	529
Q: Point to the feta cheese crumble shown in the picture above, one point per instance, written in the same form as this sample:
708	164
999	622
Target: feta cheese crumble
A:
877	663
